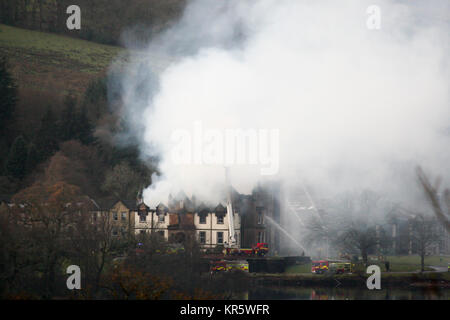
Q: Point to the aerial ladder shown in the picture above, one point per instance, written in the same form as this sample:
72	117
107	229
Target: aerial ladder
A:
232	242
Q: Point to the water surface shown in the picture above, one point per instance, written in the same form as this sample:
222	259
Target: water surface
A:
311	293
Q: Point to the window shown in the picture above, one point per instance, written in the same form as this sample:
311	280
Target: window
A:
115	216
142	231
160	233
124	216
142	218
260	236
161	218
203	219
219	237
220	219
114	232
259	212
202	236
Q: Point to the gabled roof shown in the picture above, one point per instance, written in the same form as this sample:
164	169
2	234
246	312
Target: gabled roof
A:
109	202
220	208
187	204
162	207
202	208
130	204
147	208
106	203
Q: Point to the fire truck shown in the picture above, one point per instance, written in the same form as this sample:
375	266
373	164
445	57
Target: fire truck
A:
334	266
260	249
227	266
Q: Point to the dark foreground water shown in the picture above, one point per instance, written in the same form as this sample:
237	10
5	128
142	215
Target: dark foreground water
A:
309	293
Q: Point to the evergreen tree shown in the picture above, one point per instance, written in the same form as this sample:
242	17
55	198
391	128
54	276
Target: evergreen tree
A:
8	96
95	99
83	127
68	122
17	159
32	158
47	138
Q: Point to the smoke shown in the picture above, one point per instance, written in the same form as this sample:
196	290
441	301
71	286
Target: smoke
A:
350	107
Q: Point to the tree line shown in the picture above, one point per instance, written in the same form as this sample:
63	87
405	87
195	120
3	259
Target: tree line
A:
52	225
360	225
68	139
102	20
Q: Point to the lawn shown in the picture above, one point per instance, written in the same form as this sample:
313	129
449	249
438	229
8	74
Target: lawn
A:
92	56
412	263
415	260
302	268
56	63
45	60
397	264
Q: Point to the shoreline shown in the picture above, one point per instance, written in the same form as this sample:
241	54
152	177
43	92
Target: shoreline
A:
392	280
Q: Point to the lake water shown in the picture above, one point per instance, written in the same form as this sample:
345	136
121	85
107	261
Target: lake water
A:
310	293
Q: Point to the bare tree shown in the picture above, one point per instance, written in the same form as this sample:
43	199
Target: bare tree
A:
359	238
321	231
423	236
16	254
46	212
432	193
93	246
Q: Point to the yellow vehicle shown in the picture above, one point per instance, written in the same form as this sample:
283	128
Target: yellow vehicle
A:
340	267
224	265
319	266
322	266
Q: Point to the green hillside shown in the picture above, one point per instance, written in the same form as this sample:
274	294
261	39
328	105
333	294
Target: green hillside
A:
54	62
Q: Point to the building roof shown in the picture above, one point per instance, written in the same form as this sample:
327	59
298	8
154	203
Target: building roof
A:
108	202
220	208
162	207
202	208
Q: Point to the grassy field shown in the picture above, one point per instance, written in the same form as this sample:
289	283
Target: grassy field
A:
397	264
303	268
44	60
415	260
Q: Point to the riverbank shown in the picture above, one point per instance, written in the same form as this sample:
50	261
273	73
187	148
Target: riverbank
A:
406	263
394	280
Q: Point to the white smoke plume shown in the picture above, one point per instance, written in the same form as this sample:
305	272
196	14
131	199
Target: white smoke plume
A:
355	107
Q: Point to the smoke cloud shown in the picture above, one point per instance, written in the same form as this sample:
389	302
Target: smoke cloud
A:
354	107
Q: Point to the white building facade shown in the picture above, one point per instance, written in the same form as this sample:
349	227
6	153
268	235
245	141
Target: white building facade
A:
210	226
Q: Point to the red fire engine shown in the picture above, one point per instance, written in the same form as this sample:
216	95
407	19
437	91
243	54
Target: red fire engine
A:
261	249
